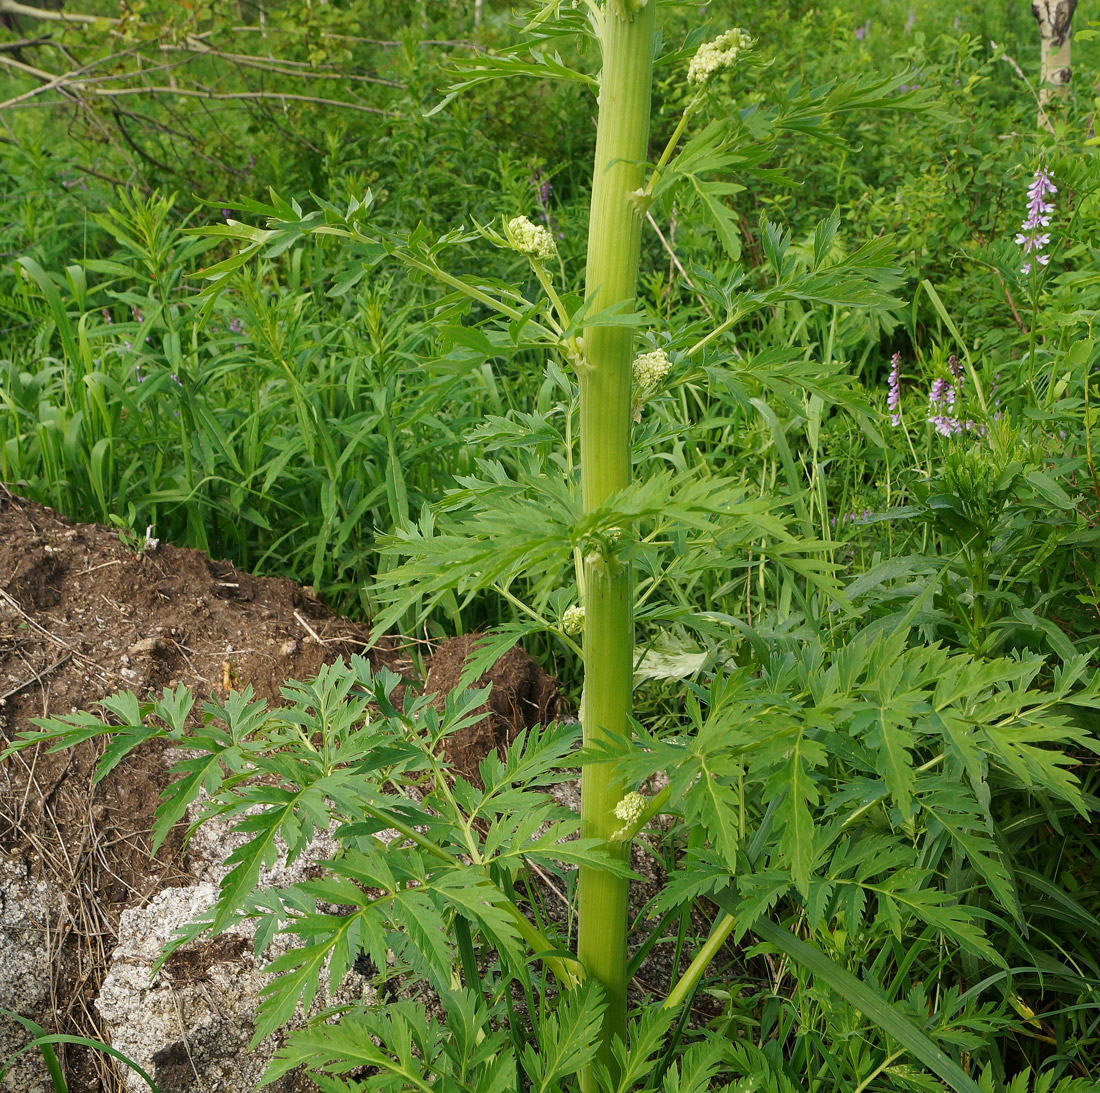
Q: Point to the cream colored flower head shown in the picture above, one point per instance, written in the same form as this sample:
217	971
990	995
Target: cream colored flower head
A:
650	369
531	239
572	621
630	808
712	57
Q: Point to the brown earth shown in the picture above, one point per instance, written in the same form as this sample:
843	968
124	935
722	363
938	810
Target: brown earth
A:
82	616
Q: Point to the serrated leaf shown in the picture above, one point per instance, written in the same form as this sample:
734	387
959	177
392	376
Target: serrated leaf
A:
567	1039
720	215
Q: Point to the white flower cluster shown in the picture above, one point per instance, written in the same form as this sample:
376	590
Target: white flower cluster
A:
630	808
531	239
650	369
712	57
572	621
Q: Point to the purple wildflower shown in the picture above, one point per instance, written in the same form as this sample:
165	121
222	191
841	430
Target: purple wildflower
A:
941	408
1031	236
106	316
861	32
136	311
893	398
235	325
176	380
942	398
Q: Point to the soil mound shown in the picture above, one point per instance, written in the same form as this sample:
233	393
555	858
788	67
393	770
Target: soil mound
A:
84	615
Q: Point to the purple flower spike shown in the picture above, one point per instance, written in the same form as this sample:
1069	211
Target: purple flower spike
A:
942	398
893	397
1031	236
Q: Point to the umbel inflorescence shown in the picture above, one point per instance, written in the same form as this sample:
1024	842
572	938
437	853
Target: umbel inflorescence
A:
711	57
531	239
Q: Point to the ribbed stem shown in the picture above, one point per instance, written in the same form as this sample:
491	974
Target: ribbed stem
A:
614	241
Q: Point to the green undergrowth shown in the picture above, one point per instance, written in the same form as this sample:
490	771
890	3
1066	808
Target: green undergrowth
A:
870	621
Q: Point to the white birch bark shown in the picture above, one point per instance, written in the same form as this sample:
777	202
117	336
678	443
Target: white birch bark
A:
1054	19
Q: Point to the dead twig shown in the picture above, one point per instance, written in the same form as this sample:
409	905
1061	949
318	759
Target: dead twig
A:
676	263
309	629
1043	119
44	15
88	663
35	678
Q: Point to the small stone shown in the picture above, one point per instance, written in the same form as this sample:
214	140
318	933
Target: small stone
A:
145	646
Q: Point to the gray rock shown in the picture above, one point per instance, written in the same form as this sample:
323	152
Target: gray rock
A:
25	968
190	1027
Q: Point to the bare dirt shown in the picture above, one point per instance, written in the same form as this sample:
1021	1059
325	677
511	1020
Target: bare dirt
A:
82	616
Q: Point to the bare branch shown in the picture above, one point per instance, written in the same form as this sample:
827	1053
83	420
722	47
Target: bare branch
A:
278	65
24	43
234	96
73	83
10	7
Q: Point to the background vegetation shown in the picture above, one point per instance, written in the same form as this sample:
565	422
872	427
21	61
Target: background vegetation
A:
302	422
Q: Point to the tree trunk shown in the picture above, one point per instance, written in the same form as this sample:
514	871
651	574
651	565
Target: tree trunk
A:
1054	18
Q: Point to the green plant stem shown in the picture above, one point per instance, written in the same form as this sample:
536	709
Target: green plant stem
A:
728	323
677	133
890	1059
703	957
614	243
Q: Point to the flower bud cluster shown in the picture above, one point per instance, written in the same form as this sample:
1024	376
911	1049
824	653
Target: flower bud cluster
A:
649	371
572	621
531	239
712	57
630	808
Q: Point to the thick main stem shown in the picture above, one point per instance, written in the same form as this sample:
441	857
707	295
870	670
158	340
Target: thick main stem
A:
614	241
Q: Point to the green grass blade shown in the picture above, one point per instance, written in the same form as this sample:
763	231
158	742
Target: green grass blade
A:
49	1056
937	303
867	1000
